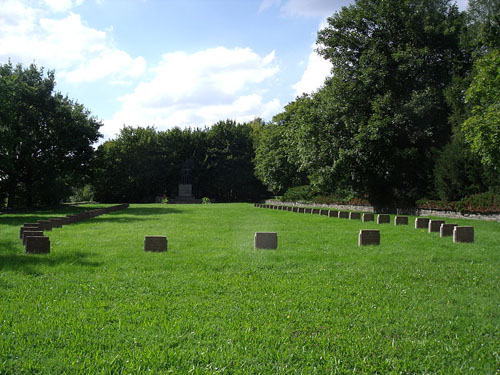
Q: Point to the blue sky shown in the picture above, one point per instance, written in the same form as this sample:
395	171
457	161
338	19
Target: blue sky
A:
170	62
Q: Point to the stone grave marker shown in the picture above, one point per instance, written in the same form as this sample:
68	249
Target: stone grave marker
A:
421	222
324	212
266	240
463	234
368	237
343	215
354	216
368	217
333	213
31	233
435	225
401	220
28	226
383	219
155	243
446	230
315	211
307	210
37	245
45	225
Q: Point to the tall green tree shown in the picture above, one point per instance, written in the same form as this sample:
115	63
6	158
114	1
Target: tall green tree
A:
392	60
45	138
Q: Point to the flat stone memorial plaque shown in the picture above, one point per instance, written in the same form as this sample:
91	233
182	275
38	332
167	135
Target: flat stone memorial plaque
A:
266	240
37	245
333	213
383	219
343	215
463	234
155	243
421	222
30	233
368	217
401	220
435	225
368	237
354	216
446	230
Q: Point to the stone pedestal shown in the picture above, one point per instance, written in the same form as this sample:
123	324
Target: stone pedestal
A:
401	220
446	230
155	243
37	245
463	234
421	222
266	240
383	219
368	237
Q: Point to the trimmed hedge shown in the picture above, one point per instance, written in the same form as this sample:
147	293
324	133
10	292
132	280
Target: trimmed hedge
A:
477	203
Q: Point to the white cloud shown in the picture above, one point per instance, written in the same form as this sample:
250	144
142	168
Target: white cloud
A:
314	75
62	5
66	44
200	89
305	8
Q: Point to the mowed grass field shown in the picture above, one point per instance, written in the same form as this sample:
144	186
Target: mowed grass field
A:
99	304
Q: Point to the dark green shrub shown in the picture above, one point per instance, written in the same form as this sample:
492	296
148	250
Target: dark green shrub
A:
299	193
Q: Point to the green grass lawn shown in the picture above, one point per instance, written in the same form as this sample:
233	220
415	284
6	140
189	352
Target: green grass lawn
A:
98	304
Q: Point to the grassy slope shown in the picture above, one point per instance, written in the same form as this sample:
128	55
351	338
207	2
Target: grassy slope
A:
319	304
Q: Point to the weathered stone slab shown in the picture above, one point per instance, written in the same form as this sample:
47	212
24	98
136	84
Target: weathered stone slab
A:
343	215
295	209
368	217
368	237
324	212
315	211
401	220
354	216
463	234
155	243
300	210
31	233
333	213
266	240
435	225
37	245
421	222
28	226
307	210
46	225
383	219
446	230
56	222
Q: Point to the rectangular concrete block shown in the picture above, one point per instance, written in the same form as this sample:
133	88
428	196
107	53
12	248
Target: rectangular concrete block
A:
295	209
368	217
324	212
155	243
401	220
315	211
435	225
31	233
383	219
421	222
46	225
354	216
28	226
343	215
333	213
37	245
463	234
300	210
56	222
368	237
446	230
266	240
307	210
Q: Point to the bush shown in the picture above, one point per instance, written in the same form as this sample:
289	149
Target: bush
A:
299	193
206	200
478	203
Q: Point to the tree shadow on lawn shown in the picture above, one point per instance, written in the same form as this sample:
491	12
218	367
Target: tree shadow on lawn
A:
13	260
21	219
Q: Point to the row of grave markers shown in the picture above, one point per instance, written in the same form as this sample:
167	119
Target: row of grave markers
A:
36	242
372	237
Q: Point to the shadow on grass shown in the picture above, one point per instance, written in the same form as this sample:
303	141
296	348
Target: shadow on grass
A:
13	260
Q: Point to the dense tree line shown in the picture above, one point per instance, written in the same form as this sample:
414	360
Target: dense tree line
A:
411	110
142	163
